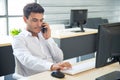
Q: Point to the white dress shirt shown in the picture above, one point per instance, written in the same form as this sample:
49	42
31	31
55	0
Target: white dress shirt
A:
34	54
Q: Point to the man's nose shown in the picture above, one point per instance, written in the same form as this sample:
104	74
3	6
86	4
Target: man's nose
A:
39	23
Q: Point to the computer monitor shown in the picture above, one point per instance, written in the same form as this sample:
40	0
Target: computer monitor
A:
78	17
108	44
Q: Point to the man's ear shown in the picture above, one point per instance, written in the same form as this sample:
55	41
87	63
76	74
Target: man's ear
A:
25	19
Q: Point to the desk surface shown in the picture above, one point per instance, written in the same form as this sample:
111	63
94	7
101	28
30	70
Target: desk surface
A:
86	75
70	33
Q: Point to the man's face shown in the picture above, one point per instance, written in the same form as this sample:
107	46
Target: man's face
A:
34	22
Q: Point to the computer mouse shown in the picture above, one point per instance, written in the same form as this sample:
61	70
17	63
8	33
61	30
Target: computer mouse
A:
58	74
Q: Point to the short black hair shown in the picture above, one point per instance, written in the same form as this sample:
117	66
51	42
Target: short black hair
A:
32	7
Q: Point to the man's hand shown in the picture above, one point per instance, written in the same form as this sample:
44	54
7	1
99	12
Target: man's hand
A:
61	66
47	33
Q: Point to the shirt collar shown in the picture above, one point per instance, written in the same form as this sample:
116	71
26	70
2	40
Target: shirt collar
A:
27	33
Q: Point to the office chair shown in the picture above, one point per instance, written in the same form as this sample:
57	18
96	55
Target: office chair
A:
105	21
7	62
95	22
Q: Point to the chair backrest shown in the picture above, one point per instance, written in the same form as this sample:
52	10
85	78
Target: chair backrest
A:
7	62
95	22
105	21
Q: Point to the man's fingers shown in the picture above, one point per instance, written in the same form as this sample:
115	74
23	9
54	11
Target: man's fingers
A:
65	65
61	66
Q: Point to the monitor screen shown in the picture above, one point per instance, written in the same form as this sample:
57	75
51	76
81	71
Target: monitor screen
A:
78	17
108	43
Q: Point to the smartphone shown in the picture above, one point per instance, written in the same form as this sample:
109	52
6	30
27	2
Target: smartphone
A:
43	29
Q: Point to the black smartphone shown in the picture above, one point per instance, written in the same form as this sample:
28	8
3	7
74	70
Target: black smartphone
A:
43	29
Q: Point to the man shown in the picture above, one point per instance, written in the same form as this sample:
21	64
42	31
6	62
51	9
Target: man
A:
34	50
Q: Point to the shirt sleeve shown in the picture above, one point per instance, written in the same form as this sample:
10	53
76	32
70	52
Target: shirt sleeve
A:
56	53
25	57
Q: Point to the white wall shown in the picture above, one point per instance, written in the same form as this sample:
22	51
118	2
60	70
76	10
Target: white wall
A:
58	11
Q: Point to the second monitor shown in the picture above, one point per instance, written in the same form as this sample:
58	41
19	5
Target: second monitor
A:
108	44
78	17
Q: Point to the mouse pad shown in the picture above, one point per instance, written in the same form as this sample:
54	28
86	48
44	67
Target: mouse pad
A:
110	76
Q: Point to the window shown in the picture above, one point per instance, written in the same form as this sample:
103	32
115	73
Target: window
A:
2	6
11	15
19	24
3	28
16	8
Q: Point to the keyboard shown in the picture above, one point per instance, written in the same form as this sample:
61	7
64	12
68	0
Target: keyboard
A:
80	67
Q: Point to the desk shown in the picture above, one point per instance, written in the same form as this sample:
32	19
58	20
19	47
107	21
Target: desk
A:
7	62
78	43
86	75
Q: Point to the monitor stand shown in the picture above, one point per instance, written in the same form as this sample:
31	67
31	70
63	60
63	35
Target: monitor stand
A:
81	29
